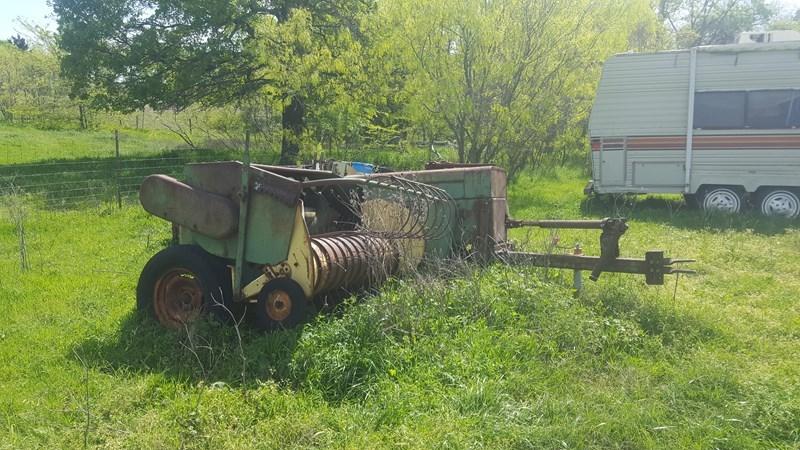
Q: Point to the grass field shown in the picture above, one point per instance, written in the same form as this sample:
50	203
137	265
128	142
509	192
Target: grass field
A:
496	358
27	145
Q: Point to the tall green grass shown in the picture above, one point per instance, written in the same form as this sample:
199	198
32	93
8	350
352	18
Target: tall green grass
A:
28	145
493	357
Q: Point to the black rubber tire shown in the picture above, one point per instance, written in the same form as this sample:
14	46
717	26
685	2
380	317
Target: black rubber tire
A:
726	199
299	307
207	272
788	196
691	201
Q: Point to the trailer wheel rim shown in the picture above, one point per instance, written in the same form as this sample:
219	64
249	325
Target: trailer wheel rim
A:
178	298
724	200
781	203
278	305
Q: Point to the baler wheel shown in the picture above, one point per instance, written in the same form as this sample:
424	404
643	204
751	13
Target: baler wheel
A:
182	282
281	305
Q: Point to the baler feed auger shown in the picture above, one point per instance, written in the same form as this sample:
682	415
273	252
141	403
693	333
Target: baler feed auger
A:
280	237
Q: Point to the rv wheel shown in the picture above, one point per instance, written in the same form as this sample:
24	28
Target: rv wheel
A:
721	199
780	202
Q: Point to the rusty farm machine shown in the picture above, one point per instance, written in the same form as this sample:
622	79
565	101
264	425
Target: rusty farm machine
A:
278	238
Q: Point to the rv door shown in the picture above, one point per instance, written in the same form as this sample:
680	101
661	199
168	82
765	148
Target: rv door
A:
612	162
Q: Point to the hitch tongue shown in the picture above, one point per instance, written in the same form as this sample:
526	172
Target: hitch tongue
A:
654	266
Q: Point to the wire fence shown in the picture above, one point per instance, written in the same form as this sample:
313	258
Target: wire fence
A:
109	177
111	171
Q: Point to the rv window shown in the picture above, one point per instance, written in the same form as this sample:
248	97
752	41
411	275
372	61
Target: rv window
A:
719	110
794	122
769	109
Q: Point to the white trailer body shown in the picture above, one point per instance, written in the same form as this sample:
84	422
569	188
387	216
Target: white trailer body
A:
691	120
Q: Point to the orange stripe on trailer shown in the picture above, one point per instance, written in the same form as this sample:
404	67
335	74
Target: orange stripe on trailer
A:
728	142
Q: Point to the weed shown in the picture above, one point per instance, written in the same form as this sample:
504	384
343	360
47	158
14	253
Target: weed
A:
497	357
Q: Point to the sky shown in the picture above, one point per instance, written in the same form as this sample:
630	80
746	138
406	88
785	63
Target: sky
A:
38	12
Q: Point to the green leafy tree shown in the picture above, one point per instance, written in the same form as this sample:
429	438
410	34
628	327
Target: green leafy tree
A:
510	80
327	70
19	42
787	22
171	54
31	90
705	22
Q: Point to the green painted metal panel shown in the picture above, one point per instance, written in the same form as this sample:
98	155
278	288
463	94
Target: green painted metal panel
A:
454	188
224	248
269	230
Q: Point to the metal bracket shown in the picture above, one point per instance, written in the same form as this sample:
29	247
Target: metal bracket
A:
653	267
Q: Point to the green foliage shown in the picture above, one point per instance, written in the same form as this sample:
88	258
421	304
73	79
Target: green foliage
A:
19	42
31	90
696	22
129	54
324	69
219	53
509	79
786	21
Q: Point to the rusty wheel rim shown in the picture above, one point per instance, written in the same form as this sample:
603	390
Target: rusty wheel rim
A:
178	298
279	305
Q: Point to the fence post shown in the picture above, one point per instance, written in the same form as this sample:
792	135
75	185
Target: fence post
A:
116	168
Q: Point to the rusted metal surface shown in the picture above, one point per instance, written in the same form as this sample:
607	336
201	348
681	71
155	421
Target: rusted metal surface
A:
221	178
334	182
177	298
462	182
244	209
352	261
438	165
224	178
565	224
278	305
296	173
654	266
202	212
375	227
489	216
613	229
285	190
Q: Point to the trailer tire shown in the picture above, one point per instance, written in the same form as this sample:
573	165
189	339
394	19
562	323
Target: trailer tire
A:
183	282
281	305
779	202
727	199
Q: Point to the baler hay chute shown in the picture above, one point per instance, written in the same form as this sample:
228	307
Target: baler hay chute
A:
279	238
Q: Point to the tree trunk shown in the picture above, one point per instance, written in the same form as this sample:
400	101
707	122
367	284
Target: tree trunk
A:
82	113
293	122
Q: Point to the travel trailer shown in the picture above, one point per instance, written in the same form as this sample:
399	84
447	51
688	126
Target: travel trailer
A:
719	124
